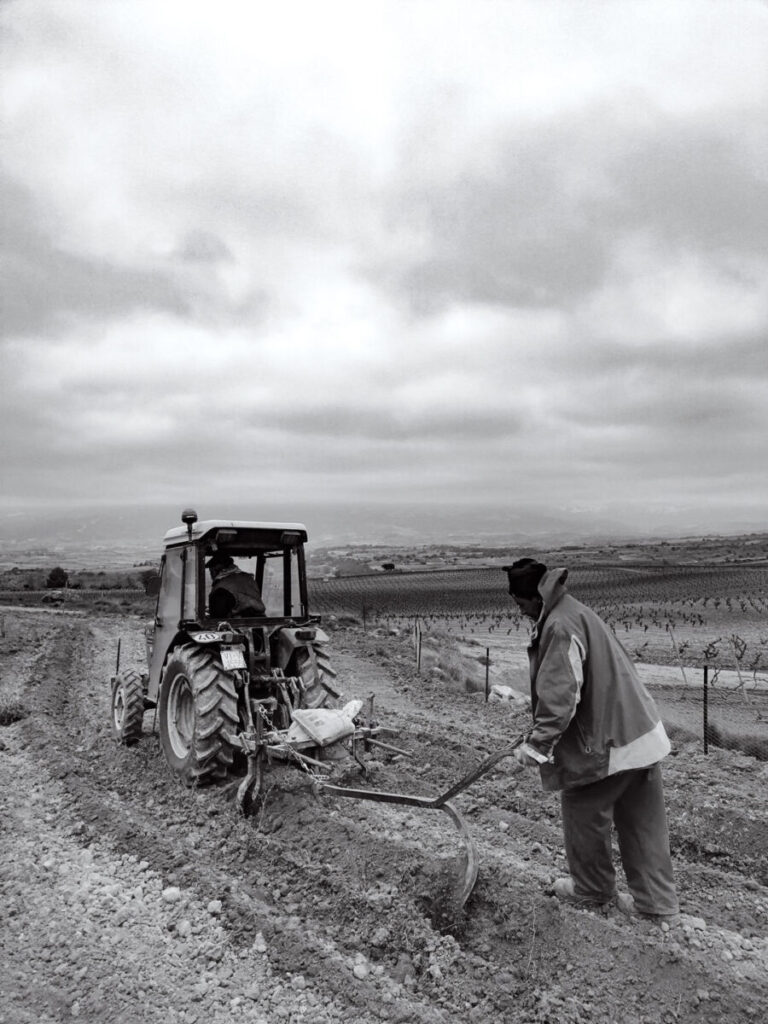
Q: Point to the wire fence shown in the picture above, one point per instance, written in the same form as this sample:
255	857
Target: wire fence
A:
699	635
710	705
718	710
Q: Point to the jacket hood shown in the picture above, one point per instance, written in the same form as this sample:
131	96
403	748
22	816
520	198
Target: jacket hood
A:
552	588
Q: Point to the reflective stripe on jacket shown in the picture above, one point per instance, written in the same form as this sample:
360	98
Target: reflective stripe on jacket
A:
591	711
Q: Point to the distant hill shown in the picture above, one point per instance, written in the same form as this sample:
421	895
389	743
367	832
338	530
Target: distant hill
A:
134	533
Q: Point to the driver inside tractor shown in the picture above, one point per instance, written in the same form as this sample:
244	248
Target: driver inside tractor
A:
234	593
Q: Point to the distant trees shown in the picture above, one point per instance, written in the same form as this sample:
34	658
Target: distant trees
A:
352	567
58	578
147	576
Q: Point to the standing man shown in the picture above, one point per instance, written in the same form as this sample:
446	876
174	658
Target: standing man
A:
598	738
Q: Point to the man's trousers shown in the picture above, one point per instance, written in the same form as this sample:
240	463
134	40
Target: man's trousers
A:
633	801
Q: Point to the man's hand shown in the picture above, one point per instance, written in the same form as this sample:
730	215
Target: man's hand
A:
528	757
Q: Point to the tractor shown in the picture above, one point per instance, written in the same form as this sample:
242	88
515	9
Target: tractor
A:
234	694
231	693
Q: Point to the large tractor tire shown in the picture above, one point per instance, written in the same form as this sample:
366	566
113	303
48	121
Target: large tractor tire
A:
127	707
313	672
198	705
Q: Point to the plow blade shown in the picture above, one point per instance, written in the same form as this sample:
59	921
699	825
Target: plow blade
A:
442	802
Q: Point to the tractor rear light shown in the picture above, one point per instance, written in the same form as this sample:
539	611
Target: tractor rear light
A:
306	634
189	518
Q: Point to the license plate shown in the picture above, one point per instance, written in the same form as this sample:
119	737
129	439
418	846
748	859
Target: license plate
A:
232	658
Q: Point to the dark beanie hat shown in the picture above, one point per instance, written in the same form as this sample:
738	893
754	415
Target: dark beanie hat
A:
524	576
218	560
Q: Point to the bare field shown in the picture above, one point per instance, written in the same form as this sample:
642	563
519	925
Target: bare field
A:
127	897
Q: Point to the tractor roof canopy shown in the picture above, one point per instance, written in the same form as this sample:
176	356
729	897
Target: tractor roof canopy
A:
238	536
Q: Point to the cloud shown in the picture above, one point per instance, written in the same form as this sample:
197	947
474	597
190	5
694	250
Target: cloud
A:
204	247
540	215
45	288
383	250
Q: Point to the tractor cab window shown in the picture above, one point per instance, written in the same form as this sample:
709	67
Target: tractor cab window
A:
272	586
267	582
176	597
279	599
175	602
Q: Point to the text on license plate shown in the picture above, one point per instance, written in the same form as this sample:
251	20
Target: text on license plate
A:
232	658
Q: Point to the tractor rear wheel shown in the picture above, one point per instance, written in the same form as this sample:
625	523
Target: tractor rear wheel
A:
315	694
127	707
198	705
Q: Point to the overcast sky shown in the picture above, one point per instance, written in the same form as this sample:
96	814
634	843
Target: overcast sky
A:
435	250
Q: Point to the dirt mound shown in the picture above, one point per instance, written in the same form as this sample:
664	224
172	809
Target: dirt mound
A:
127	897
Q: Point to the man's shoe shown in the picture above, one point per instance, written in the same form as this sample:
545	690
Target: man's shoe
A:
563	888
626	905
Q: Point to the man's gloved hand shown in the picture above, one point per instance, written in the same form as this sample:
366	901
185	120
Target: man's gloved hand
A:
527	756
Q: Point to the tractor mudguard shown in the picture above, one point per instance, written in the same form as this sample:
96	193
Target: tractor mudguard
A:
301	651
292	638
157	665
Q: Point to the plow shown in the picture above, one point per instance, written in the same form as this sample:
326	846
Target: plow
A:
466	883
235	695
265	746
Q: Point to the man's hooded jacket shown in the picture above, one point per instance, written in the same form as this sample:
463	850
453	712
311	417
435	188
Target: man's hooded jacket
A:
591	711
234	593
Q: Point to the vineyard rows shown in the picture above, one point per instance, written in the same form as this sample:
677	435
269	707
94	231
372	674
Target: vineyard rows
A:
716	615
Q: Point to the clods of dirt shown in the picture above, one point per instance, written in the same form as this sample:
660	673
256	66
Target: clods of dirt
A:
129	897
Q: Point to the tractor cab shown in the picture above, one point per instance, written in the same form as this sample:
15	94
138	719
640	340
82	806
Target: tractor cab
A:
270	556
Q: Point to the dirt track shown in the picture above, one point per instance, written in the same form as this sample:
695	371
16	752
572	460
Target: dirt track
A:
126	897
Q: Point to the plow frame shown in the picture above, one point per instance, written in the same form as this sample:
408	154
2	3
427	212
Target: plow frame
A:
262	745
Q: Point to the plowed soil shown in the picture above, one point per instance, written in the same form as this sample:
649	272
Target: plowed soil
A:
126	897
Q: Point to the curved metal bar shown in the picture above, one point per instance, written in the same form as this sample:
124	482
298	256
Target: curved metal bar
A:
440	803
437	804
473	861
427	801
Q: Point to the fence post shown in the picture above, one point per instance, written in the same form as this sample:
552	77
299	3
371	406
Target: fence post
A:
487	670
706	709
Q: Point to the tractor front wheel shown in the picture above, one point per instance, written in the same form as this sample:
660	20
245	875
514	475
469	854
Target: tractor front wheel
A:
198	705
127	707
